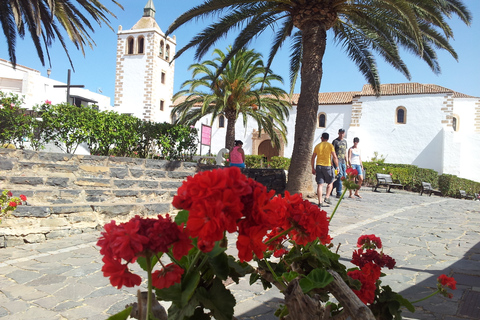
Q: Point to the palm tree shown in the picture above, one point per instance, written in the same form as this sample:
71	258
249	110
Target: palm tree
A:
363	27
243	87
41	19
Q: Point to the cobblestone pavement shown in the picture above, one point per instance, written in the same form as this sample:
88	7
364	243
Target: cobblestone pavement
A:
428	236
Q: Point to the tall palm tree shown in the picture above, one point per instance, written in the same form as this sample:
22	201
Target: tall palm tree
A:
42	19
363	27
243	87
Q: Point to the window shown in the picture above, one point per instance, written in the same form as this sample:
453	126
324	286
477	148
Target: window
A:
167	52
221	121
130	43
401	115
162	105
322	120
141	45
163	77
455	122
161	49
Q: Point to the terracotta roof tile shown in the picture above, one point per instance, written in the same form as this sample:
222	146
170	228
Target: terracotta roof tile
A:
392	89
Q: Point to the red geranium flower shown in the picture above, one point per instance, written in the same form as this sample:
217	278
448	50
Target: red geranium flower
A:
9	193
167	277
12	204
447	281
24	198
369	241
119	274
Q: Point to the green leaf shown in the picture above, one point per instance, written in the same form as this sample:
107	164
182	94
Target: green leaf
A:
218	300
253	278
238	269
220	266
318	278
184	312
189	284
172	293
216	250
404	302
289	276
142	262
181	217
122	315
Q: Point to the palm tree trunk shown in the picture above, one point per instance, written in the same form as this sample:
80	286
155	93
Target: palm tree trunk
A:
230	136
314	38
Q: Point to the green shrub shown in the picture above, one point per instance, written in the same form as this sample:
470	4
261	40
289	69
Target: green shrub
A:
255	161
451	184
279	163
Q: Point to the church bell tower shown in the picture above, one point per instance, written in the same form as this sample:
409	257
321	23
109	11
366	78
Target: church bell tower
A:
144	74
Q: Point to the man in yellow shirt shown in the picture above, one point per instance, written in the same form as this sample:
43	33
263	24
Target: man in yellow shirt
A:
322	168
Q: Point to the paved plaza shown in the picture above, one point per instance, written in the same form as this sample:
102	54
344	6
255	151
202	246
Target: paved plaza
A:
428	236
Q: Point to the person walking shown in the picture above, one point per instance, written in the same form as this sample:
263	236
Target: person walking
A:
340	145
322	168
237	155
355	162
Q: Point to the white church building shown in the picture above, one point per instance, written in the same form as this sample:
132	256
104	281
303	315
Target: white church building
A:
409	123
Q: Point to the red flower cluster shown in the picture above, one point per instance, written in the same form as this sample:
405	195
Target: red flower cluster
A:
167	277
370	263
351	173
445	282
139	237
224	200
368	277
369	241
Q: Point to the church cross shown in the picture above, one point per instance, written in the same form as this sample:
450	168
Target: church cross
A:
68	86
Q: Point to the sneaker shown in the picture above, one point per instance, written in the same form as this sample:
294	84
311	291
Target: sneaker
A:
323	205
338	196
327	200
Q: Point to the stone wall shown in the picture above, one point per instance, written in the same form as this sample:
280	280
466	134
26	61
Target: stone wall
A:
69	194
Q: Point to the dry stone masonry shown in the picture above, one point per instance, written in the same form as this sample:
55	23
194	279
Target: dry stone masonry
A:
69	194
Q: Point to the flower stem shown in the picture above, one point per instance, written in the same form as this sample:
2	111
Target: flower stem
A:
149	292
193	262
279	235
425	298
338	203
278	279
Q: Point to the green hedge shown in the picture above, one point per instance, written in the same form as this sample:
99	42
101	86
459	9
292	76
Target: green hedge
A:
412	176
259	161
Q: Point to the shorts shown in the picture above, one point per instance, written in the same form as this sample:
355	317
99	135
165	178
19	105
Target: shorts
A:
358	168
324	174
240	165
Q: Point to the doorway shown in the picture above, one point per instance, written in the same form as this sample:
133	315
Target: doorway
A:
265	148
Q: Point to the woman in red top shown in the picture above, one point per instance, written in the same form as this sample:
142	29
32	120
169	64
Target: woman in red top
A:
237	155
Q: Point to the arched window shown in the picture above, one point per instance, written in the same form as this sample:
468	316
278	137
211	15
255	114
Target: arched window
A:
167	52
161	49
162	105
130	44
455	122
401	115
322	120
141	45
221	121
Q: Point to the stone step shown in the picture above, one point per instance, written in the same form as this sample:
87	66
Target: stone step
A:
15	182
67	196
107	210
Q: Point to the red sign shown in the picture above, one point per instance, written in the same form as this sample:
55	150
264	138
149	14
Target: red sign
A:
206	135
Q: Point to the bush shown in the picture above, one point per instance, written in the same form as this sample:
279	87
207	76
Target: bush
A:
450	184
279	163
255	161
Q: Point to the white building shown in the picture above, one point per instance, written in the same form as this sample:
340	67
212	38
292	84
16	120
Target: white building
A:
37	89
144	74
410	123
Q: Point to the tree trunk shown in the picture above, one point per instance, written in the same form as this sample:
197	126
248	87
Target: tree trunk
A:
314	38
230	135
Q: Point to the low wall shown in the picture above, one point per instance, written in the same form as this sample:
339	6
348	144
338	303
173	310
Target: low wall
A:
69	194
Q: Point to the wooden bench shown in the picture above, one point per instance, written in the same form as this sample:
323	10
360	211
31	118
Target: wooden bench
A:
386	180
428	189
463	194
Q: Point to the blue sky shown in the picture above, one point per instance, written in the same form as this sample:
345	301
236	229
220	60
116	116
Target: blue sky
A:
96	70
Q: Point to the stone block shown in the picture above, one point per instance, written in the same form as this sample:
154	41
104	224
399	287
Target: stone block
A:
26	165
124	184
190	165
155	174
32	181
115	210
70	193
179	174
126	193
2	241
158	208
136	173
61	201
35	238
18	192
119	173
71	209
167	185
29	211
155	164
93	182
94	169
54	234
147	184
93	192
13	241
57	182
6	164
55	157
117	161
66	168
